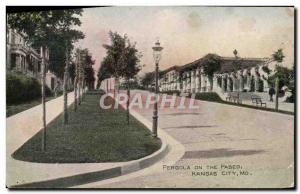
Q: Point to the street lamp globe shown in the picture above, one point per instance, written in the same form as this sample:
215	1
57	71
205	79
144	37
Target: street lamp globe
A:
157	52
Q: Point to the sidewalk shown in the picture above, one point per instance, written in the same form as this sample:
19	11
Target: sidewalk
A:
281	105
21	127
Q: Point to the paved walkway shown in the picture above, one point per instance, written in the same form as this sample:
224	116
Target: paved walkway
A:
261	142
281	105
20	128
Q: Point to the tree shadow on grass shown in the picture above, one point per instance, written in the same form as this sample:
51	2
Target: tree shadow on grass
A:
181	113
219	153
191	126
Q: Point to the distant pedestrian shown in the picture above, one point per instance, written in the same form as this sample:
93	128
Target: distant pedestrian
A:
271	93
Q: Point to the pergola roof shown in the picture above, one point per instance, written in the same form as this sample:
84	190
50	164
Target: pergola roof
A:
227	64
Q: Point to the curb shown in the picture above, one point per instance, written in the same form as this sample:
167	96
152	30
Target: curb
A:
90	177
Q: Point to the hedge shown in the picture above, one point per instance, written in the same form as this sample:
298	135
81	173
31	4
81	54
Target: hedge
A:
209	96
21	88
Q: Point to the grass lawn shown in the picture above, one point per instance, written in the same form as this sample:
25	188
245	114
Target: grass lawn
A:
92	135
17	108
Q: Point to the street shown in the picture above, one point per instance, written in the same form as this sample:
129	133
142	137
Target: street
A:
225	147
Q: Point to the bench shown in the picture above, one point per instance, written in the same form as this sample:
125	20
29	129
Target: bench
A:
258	101
234	98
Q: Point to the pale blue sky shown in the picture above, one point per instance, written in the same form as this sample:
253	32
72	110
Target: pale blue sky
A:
188	33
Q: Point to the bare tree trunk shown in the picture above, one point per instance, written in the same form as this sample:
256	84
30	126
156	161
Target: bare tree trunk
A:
106	86
83	89
79	92
114	87
43	99
75	82
117	85
65	89
277	92
128	101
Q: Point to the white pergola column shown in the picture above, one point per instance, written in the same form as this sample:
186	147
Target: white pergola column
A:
241	82
197	81
233	82
203	80
189	81
228	83
192	90
223	83
184	82
256	80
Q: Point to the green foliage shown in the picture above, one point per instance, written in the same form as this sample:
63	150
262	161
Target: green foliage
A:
103	72
266	69
72	71
291	99
147	79
114	53
87	64
211	64
132	84
285	76
121	60
208	96
90	77
21	88
278	55
52	29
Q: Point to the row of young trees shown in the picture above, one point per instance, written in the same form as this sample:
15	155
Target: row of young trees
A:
53	32
122	60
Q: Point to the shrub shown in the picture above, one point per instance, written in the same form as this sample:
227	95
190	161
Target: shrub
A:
21	88
291	99
208	96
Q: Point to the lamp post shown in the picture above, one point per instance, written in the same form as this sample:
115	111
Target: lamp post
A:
157	56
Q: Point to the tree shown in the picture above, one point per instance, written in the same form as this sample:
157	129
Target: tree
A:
114	53
235	52
147	80
51	28
121	60
103	72
130	67
65	91
89	73
90	77
43	29
278	57
211	64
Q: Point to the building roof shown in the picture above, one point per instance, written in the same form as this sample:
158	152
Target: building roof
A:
228	64
175	67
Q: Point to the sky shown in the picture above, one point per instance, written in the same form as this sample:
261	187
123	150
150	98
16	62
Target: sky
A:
189	33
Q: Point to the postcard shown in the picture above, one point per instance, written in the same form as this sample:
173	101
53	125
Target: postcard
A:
165	97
